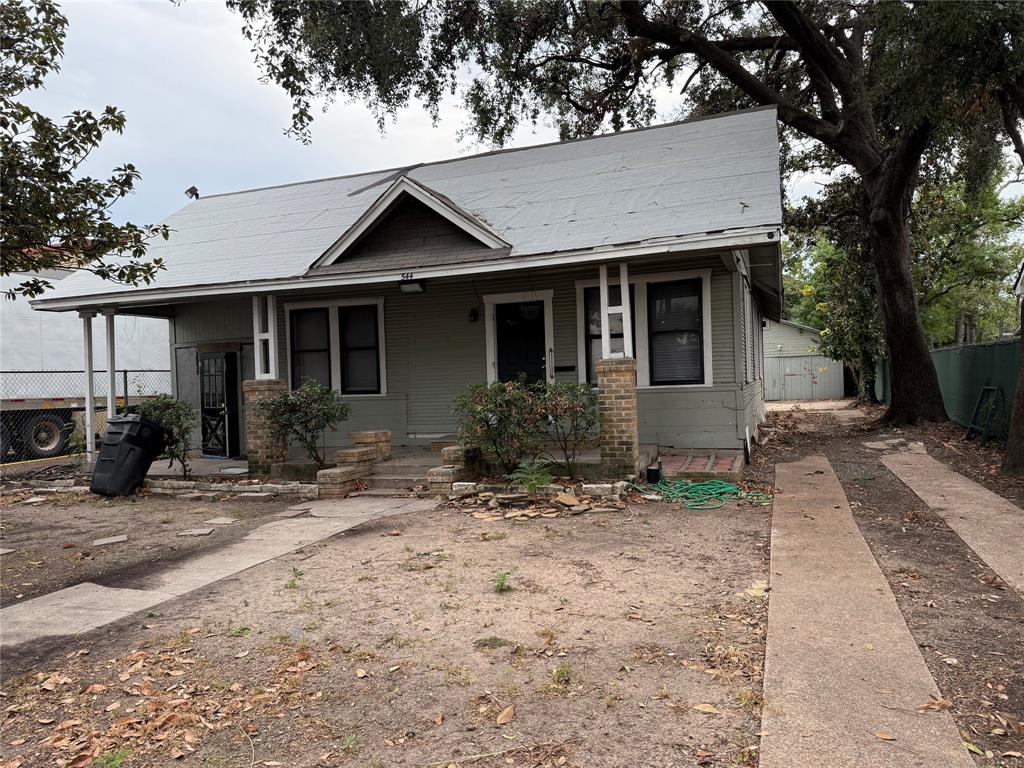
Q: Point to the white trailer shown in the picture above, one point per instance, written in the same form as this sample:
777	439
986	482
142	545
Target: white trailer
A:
42	372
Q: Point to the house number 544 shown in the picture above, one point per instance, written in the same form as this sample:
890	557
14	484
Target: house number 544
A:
407	275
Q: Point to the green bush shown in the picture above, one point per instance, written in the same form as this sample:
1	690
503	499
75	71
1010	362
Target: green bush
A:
531	475
502	419
304	414
178	419
570	411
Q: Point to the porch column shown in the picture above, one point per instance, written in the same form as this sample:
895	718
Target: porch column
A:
90	390
616	386
264	446
111	366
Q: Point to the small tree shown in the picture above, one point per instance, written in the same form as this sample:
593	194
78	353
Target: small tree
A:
304	415
178	419
572	416
502	419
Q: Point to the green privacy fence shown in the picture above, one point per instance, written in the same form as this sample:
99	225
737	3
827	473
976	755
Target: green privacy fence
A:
963	371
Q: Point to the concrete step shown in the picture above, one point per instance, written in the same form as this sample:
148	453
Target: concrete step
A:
389	493
405	466
404	482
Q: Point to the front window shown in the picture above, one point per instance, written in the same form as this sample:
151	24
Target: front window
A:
592	340
360	351
676	340
311	346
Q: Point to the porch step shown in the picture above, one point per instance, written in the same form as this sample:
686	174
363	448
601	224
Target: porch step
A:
720	465
411	467
390	493
394	482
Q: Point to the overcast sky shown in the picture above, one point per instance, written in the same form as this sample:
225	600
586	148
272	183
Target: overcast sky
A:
198	114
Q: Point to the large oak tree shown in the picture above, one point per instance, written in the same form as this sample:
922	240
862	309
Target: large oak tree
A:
869	85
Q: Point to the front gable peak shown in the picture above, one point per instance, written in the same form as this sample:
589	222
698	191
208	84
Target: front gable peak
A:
400	190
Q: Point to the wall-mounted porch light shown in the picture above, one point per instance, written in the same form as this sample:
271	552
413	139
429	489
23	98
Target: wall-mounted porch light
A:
412	286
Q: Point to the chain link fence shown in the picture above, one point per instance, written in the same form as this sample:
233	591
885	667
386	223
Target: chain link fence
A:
42	413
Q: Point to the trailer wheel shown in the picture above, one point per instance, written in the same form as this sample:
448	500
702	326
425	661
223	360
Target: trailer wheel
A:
45	435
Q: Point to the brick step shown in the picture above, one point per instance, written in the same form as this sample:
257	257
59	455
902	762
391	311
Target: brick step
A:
406	482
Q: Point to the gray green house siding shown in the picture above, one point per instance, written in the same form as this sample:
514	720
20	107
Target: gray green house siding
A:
433	351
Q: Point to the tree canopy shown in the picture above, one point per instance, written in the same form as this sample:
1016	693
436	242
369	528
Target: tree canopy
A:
865	87
51	217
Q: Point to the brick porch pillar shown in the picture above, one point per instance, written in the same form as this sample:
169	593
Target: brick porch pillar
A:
616	404
263	445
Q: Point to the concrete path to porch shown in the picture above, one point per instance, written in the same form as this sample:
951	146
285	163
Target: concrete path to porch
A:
990	525
87	606
843	676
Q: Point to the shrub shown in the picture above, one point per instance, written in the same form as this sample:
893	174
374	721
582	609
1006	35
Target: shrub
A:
531	475
178	419
502	419
304	414
572	416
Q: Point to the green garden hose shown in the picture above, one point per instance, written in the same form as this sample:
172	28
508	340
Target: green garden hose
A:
704	494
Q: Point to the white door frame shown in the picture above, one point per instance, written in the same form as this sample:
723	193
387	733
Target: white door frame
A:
549	328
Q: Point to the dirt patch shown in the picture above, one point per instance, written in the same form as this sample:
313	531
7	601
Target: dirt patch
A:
967	623
617	639
53	539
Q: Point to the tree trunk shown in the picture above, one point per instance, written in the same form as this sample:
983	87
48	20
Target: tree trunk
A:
866	380
916	396
1013	463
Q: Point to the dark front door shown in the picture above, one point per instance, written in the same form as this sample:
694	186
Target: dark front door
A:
520	341
218	388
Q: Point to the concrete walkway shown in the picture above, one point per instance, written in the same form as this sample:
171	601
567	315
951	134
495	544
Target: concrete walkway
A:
87	606
843	676
992	526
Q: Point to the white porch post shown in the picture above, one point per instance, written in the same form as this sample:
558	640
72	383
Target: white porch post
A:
111	365
627	311
90	390
606	339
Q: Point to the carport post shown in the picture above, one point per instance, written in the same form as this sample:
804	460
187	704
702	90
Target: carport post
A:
111	363
90	390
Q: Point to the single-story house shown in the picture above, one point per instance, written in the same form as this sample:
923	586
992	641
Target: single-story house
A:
794	368
400	287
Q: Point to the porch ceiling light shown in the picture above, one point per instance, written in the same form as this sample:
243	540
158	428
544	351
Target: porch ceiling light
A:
412	286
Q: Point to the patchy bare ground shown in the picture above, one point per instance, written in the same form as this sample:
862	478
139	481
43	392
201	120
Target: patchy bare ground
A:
624	639
967	623
53	539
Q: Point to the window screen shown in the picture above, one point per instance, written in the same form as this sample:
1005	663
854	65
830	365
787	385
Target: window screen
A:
360	351
311	348
674	332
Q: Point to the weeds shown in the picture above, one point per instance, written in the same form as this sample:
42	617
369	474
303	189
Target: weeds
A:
113	760
562	674
501	582
293	582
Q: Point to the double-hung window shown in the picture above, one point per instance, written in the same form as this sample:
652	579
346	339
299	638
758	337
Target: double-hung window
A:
311	346
337	346
360	350
592	335
675	336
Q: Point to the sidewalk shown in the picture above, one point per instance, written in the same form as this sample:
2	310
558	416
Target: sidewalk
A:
990	525
87	606
843	676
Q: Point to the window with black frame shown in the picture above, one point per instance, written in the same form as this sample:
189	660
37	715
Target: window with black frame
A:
360	350
675	335
592	331
311	346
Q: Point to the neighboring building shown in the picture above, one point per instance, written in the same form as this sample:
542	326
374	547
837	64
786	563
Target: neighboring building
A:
42	383
794	369
399	288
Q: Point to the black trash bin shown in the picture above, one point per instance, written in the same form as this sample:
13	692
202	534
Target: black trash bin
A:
129	446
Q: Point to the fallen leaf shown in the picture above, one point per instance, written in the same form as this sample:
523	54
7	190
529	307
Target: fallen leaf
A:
112	707
360	672
506	715
951	661
936	704
885	736
708	709
439	719
241	655
973	748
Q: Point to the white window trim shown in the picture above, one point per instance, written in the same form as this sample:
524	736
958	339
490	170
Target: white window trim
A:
640	283
335	339
491	335
269	336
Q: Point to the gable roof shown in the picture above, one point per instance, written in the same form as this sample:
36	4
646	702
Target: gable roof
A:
692	178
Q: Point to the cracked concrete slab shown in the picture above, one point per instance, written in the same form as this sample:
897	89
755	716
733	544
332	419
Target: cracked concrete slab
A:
88	606
221	521
110	540
196	532
841	665
988	523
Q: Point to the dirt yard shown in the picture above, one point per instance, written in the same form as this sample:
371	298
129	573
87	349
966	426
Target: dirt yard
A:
967	623
53	539
630	638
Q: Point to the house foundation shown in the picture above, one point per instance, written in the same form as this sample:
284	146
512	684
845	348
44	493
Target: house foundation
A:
264	445
616	405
